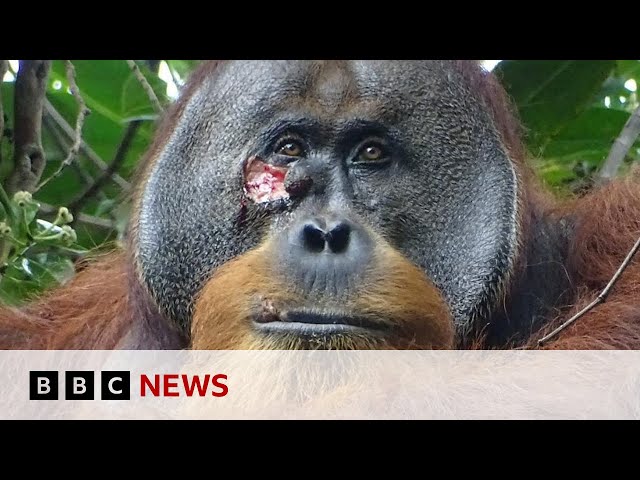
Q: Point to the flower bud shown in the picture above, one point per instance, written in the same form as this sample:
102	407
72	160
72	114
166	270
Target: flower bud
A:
22	198
4	229
64	216
69	235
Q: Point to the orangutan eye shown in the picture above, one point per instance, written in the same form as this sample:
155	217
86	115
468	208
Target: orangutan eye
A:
290	148
372	152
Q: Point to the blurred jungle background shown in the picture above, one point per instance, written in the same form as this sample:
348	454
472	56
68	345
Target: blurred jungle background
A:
74	131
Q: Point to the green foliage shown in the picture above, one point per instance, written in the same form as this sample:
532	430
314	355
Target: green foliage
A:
572	111
37	254
34	253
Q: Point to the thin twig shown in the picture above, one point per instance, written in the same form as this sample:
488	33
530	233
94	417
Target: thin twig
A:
599	299
608	171
147	87
4	65
63	146
121	154
83	111
96	221
82	218
84	148
620	147
29	95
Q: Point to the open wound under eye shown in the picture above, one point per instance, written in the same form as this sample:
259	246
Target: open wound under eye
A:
264	182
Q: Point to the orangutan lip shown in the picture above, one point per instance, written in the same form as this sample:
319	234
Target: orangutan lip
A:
308	329
304	322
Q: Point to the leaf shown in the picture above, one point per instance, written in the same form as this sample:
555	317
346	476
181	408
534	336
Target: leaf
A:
550	93
7	151
51	268
588	137
558	174
628	68
134	99
110	87
105	206
114	95
25	224
15	289
19	284
614	88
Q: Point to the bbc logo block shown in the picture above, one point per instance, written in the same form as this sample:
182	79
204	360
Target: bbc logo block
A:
80	385
116	385
43	385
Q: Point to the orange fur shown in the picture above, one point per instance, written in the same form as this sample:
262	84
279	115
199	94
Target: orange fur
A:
607	225
221	320
92	312
394	288
399	290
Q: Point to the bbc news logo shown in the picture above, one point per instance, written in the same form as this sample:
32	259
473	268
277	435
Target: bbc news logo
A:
80	385
116	385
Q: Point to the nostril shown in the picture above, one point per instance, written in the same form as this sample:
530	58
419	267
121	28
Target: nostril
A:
338	238
313	238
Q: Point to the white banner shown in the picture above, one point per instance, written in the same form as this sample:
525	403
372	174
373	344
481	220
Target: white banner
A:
319	385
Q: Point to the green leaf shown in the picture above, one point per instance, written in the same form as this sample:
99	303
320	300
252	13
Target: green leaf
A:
558	174
15	289
134	100
110	87
7	151
588	137
27	277
628	68
105	206
614	88
550	93
114	96
51	268
25	216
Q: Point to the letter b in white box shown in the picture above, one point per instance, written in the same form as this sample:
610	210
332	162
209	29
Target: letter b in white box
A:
78	385
43	385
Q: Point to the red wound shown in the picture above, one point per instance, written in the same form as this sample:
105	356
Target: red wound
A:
264	182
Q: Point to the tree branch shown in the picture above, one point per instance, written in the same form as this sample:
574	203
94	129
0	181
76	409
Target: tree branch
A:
82	218
620	147
599	299
147	87
609	169
29	160
4	65
83	111
84	148
121	154
63	146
